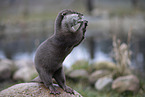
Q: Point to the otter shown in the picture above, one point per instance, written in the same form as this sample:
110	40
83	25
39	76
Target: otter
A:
52	52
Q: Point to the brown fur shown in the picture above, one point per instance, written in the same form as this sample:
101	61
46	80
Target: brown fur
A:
52	52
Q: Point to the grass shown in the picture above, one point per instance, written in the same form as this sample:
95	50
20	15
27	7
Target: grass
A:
86	90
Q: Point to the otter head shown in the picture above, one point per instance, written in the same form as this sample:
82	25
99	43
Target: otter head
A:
71	22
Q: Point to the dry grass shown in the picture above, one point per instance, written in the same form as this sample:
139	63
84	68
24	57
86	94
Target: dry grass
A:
122	54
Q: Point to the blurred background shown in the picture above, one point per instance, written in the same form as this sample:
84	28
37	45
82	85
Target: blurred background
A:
114	43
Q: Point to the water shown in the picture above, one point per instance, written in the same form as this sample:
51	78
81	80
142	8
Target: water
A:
78	53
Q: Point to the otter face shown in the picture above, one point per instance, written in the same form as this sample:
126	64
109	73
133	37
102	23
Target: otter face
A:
72	21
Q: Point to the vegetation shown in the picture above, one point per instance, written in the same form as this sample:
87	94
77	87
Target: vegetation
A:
87	91
81	64
122	56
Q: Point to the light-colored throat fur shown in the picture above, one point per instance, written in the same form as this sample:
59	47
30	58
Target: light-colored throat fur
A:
71	22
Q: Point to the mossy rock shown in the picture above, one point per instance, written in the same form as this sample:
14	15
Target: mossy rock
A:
105	65
81	64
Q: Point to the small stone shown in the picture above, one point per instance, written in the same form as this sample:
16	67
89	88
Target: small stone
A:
81	73
104	84
98	74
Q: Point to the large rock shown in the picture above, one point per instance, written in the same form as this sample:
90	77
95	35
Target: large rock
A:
98	74
6	69
104	84
81	73
33	90
126	83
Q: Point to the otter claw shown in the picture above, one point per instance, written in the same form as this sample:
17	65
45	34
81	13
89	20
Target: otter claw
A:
69	90
86	22
54	92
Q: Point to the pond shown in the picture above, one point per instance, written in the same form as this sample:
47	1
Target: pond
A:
25	49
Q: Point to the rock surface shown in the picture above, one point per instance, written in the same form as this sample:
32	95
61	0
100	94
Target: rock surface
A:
33	90
104	84
126	83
